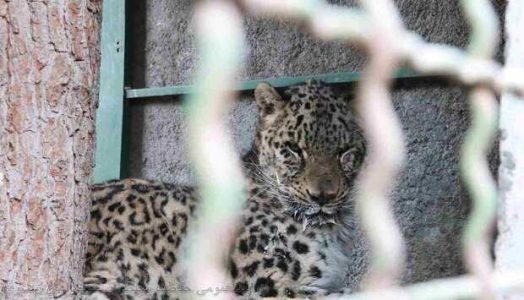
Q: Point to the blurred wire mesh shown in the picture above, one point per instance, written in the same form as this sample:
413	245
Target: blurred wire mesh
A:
220	42
377	28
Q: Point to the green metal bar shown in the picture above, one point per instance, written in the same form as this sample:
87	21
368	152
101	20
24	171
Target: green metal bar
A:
342	77
110	113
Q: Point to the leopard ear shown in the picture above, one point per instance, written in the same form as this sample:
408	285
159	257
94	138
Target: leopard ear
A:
268	100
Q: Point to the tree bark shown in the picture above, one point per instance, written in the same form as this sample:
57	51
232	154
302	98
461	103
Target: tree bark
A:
49	61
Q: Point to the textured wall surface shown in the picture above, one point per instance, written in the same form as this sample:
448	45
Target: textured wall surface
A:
430	202
49	60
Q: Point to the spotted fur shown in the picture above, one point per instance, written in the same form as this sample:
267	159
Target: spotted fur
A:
295	225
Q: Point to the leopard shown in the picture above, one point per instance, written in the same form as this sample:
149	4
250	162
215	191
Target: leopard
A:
295	228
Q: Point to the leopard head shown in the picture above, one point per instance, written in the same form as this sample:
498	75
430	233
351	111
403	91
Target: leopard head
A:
309	149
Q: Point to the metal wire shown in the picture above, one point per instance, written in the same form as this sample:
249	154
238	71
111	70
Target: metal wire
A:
474	164
220	41
384	132
352	24
460	287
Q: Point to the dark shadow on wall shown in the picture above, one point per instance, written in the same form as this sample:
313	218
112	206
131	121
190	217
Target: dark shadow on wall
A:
135	78
136	38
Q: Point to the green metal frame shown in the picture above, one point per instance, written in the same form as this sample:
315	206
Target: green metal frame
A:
110	125
342	77
110	113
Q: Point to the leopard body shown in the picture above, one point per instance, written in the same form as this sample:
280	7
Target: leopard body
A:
295	227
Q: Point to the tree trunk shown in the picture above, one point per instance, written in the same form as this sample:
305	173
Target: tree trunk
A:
49	59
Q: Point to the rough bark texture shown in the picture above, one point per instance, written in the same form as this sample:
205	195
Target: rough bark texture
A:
49	60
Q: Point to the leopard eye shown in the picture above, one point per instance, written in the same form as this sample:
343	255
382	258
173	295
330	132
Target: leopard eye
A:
294	148
291	150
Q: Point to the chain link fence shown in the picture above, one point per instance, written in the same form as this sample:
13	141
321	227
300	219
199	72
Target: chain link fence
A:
377	28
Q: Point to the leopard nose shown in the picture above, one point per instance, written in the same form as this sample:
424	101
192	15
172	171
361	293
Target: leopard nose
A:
325	190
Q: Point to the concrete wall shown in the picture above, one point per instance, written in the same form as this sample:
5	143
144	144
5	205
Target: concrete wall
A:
430	202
